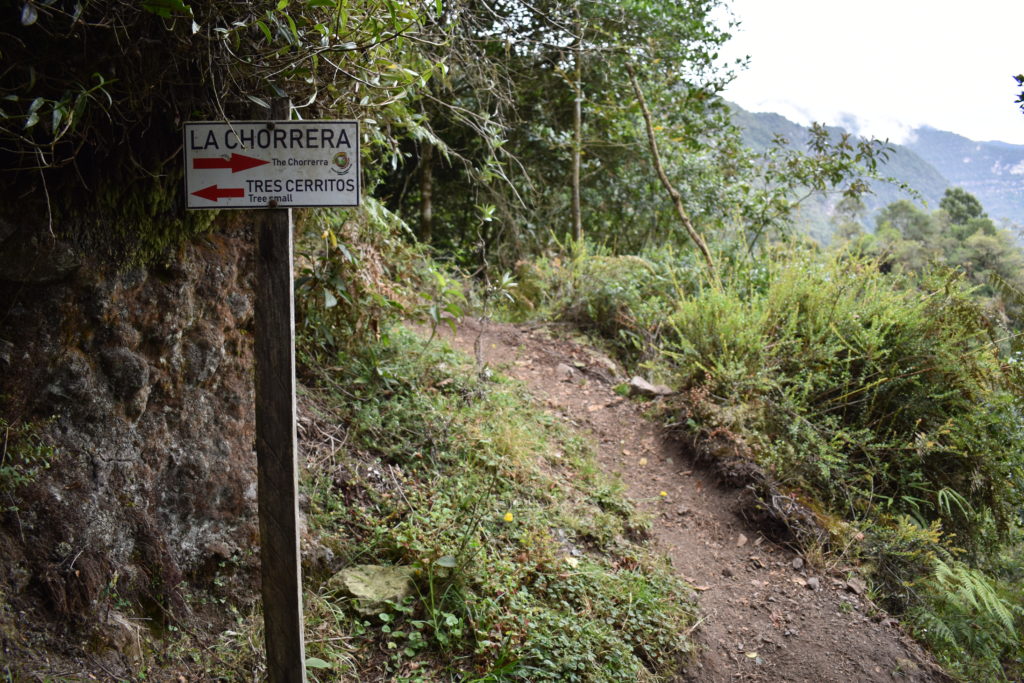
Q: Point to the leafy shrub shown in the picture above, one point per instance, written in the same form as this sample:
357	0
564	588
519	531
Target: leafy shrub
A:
356	276
892	401
622	300
883	395
24	455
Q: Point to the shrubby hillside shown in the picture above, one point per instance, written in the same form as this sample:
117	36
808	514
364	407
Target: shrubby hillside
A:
929	162
571	164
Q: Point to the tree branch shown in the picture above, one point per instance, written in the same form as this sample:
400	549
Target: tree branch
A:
673	193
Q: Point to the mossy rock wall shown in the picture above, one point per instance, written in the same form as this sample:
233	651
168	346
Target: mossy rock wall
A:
140	377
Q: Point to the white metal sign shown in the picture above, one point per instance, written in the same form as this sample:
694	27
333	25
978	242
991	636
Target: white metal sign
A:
271	164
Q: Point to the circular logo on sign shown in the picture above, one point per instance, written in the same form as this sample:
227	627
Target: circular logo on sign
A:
341	163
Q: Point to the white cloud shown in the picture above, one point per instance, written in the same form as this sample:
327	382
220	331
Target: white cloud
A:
893	65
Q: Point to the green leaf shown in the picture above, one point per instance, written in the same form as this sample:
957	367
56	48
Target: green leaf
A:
317	663
294	29
266	31
166	8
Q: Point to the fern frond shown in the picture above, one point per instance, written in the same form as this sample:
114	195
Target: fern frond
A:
949	497
1008	290
964	587
935	629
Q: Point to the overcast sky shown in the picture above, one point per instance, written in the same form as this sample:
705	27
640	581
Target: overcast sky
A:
894	64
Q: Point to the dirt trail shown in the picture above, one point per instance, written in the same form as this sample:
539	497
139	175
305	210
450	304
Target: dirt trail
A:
766	614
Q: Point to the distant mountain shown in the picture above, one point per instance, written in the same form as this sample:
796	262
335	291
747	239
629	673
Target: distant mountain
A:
991	171
933	161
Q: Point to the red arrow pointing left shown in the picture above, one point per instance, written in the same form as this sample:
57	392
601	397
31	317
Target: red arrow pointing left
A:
237	162
213	193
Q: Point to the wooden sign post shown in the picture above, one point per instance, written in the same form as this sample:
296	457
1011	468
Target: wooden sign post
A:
273	165
276	442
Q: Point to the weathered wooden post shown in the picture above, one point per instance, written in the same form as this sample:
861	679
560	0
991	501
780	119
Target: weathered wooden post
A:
274	165
276	441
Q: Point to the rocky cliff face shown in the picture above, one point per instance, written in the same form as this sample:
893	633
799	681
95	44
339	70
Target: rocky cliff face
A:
141	381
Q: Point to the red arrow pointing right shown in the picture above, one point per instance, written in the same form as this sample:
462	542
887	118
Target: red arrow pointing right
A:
214	193
237	162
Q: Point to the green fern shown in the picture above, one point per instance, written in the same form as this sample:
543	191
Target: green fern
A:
964	587
1010	291
962	611
936	630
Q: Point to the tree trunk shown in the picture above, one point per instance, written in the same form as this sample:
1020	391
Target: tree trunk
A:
426	192
577	129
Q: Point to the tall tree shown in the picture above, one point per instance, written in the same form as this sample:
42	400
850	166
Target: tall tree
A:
569	140
577	126
677	200
94	93
961	205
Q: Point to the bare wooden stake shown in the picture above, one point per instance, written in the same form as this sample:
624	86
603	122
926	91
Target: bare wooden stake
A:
276	442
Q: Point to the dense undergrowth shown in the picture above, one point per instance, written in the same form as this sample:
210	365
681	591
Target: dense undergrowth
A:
528	563
888	404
